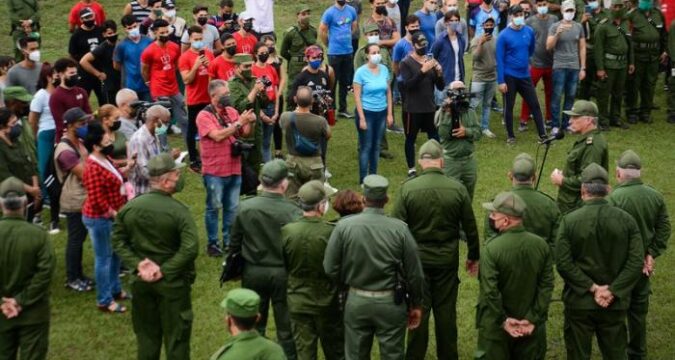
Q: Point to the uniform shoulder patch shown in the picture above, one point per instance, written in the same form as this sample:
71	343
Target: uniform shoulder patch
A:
589	140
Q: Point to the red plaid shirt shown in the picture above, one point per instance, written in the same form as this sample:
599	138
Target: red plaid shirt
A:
103	191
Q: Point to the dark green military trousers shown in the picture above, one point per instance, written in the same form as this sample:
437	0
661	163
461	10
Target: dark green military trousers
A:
30	342
610	96
270	284
637	319
464	170
590	84
162	311
440	295
609	326
505	347
642	87
326	326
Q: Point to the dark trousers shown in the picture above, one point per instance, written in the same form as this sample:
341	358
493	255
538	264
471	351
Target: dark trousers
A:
609	326
190	136
29	342
404	6
527	91
77	233
412	124
343	67
637	319
278	134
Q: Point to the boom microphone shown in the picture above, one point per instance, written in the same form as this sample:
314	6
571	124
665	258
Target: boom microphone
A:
557	136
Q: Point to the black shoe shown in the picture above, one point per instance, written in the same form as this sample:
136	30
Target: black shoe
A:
412	173
196	167
214	251
632	119
386	155
646	119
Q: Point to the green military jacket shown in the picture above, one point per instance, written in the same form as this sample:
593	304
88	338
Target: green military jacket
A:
516	280
295	41
648	208
435	207
158	227
591	27
647	34
371	240
598	244
458	147
304	243
589	148
15	160
612	41
26	267
239	90
249	345
361	58
256	230
23	10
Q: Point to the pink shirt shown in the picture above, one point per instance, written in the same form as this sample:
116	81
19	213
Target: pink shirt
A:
217	159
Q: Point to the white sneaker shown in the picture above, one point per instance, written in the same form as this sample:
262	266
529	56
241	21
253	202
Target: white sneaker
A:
555	130
176	130
327	174
331	189
488	133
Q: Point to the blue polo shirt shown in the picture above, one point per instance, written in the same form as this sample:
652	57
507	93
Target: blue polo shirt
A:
339	22
428	24
444	52
128	53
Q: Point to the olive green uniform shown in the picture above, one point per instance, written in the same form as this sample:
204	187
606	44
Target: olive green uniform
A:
649	42
648	208
364	252
613	53
459	161
671	81
295	41
17	161
312	296
22	10
588	86
589	148
249	345
516	281
256	234
239	90
597	244
435	207
26	267
158	227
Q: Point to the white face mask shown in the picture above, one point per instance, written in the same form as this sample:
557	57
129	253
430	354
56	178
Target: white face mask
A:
373	39
519	21
34	56
453	8
568	16
170	13
542	10
393	2
431	7
375	59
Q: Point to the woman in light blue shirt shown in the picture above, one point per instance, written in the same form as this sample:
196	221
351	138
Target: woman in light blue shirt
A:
372	96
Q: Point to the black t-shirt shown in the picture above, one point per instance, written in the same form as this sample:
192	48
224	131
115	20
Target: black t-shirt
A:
84	41
317	82
104	62
417	88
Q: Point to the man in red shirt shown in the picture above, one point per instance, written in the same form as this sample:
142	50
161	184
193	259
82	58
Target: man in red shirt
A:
67	95
74	20
219	125
246	38
194	69
223	66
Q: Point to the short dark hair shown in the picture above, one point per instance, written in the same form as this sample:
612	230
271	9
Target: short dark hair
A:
489	19
5	115
225	37
377	203
62	64
244	324
525	2
368	47
94	136
450	14
257	47
6	61
23	42
538	1
412	19
195	29
159	23
45	72
153	2
266	37
128	20
109	24
199	8
596	190
228	3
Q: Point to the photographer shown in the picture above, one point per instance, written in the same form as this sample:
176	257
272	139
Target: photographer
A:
219	125
458	128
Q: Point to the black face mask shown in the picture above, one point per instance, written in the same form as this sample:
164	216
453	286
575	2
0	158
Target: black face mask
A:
231	50
304	102
248	26
112	39
202	20
263	57
108	150
421	51
56	82
489	31
224	101
116	125
71	81
15	132
381	10
271	49
487	2
226	16
163	38
492	225
341	2
89	23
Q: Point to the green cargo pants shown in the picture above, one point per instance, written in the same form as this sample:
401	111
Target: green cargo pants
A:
643	84
327	327
31	342
609	326
637	319
440	295
301	170
162	311
464	170
270	284
505	347
610	95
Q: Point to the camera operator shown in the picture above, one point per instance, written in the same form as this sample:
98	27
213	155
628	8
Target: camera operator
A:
458	128
124	98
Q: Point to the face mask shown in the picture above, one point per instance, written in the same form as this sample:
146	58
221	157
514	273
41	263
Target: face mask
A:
112	39
431	7
489	31
393	2
180	184
71	81
15	132
421	51
381	10
89	23
452	8
263	57
34	56
170	13
375	59
246	74
231	50
107	150
373	39
56	82
163	38
197	45
645	5
519	21
542	10
134	33
492	225
115	125
341	2
271	49
202	21
226	17
315	64
617	14
224	101
527	14
456	27
81	132
304	21
248	26
161	129
568	16
593	5
303	102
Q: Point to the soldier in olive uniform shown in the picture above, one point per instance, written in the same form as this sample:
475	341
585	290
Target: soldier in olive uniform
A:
458	140
256	234
650	45
599	255
435	207
591	147
590	22
26	267
373	254
156	235
295	40
516	281
671	81
613	55
245	343
648	208
312	296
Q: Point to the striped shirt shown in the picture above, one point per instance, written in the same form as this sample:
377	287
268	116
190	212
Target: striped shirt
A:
139	12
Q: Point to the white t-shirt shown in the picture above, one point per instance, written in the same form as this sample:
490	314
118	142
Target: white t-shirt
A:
263	14
455	48
210	36
40	104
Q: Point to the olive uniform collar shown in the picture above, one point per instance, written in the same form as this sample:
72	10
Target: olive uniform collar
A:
12	217
587	135
515	229
596	201
271	195
523	187
432	170
630	182
372	210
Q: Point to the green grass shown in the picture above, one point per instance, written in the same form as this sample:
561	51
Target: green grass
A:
79	331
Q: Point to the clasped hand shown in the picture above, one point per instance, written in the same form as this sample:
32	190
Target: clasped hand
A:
602	295
148	271
10	308
518	328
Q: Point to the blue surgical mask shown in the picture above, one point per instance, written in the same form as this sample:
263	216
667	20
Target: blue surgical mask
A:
593	5
373	39
376	59
315	64
82	132
161	130
135	33
645	5
197	45
542	10
519	21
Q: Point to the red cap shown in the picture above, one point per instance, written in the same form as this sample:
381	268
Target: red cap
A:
313	51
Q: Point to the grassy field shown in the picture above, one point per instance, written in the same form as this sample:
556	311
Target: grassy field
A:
79	331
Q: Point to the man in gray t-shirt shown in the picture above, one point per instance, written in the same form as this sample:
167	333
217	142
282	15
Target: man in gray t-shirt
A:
484	80
27	72
211	35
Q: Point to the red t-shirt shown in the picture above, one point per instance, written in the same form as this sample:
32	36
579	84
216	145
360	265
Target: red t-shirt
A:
271	74
217	159
197	91
246	44
162	62
74	18
222	68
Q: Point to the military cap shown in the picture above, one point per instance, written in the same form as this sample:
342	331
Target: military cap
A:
594	174
507	203
302	8
523	164
568	4
163	163
245	15
242	58
583	108
273	171
629	160
375	187
242	303
431	149
74	115
17	93
617	2
313	192
372	27
12	185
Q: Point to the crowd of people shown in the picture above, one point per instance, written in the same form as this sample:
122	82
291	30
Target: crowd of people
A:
220	81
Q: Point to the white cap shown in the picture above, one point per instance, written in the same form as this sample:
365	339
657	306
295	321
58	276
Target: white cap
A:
568	4
245	15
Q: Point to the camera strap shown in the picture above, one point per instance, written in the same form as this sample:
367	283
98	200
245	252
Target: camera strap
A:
221	121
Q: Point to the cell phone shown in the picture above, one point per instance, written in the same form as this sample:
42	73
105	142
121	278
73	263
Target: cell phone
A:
429	56
201	52
588	9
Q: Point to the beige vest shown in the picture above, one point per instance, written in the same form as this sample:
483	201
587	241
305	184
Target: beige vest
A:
72	191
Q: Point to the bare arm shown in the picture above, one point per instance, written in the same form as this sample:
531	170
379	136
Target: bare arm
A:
145	72
86	63
323	33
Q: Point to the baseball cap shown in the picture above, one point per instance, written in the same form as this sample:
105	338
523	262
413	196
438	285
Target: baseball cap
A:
245	15
243	303
582	108
86	12
507	203
629	159
75	114
420	39
162	164
568	4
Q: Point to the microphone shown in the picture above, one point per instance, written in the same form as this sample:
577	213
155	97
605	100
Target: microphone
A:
557	136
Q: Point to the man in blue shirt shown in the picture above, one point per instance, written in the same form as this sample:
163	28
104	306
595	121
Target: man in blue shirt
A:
448	49
427	16
515	45
484	11
338	23
404	46
128	55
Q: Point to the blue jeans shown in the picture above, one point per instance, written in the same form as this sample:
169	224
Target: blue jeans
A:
221	193
106	262
564	83
45	152
484	94
268	130
369	141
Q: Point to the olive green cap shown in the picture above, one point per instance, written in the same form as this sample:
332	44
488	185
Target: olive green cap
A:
582	108
594	174
375	187
242	58
507	203
17	93
313	192
617	2
302	8
12	185
523	164
273	171
629	160
162	164
432	150
370	28
242	303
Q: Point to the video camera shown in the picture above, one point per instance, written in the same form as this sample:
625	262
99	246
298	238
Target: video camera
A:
321	103
459	100
266	81
140	108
